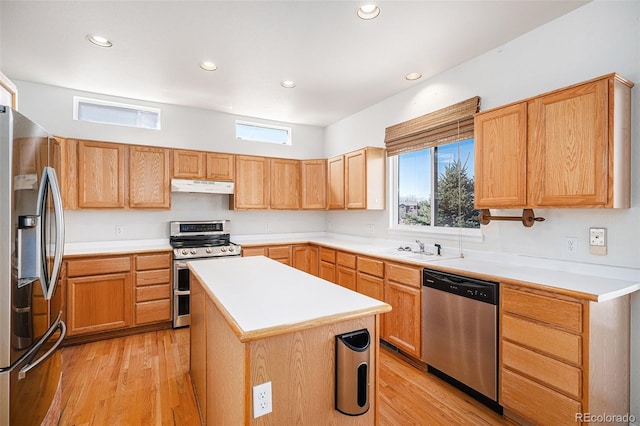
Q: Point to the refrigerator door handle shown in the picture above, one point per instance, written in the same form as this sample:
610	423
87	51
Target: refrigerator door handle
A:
50	180
31	365
35	348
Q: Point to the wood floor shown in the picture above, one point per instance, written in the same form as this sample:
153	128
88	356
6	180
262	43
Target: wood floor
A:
144	380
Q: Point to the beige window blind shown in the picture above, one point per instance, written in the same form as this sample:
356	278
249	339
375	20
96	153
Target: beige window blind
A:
447	125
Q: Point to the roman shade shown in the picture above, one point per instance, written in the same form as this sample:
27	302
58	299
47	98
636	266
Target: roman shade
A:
447	125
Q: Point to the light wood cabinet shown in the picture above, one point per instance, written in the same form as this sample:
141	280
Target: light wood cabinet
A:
306	258
153	288
313	184
280	253
346	270
403	291
335	179
189	164
561	355
220	166
251	183
149	177
328	264
99	294
370	280
284	185
356	180
566	148
102	177
8	92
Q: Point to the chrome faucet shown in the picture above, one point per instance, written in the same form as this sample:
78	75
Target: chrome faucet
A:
421	245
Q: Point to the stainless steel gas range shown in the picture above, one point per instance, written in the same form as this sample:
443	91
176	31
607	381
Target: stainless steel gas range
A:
195	240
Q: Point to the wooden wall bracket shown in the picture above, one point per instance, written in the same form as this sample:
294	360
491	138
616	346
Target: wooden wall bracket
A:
528	218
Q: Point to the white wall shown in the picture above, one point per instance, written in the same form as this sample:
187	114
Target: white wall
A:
596	39
182	127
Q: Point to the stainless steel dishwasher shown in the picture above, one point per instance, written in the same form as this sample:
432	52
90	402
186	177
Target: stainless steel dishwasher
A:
460	333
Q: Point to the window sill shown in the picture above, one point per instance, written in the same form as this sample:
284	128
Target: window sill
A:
442	233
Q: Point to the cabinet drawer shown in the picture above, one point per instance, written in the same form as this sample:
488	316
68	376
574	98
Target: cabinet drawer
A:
280	252
563	313
404	274
153	277
346	259
558	343
154	311
98	266
327	255
153	292
254	251
535	402
147	262
557	374
371	266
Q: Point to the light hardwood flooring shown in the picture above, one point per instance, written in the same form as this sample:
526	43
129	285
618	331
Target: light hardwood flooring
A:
144	380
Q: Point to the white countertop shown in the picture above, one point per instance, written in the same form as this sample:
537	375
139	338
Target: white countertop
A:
115	247
264	297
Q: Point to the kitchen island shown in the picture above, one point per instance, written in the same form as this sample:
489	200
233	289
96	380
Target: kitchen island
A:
254	321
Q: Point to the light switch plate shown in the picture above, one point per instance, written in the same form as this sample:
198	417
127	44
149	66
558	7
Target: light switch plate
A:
598	241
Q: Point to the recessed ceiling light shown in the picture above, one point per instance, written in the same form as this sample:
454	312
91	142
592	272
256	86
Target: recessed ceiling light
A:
208	66
288	84
368	11
413	76
99	40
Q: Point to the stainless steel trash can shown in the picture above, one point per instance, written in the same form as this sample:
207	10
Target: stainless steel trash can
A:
352	372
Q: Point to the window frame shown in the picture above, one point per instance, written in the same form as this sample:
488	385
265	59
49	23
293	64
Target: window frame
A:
289	131
440	232
77	100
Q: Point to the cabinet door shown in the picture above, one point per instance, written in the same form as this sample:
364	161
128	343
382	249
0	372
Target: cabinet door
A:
251	183
370	286
101	175
355	178
335	171
501	157
346	277
189	164
220	166
65	161
254	251
149	178
401	326
569	147
328	271
305	258
285	184
314	184
99	303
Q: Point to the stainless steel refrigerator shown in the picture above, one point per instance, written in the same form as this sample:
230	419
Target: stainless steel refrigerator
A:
31	248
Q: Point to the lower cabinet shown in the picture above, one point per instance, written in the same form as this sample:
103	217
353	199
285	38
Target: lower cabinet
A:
116	292
370	280
281	253
327	264
562	356
99	294
346	270
403	291
305	258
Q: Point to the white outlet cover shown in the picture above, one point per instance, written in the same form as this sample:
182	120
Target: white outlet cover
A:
262	403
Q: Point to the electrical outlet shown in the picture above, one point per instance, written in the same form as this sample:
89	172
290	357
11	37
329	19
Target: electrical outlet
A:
119	231
262	400
371	228
598	241
571	246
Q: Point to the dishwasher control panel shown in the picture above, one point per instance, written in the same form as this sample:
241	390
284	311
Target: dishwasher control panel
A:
472	288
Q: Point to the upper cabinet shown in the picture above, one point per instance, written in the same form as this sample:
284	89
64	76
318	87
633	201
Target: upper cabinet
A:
101	175
252	183
567	148
313	184
356	180
149	177
189	164
220	166
284	184
8	92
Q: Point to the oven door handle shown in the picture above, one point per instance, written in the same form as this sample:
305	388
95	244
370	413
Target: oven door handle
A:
181	292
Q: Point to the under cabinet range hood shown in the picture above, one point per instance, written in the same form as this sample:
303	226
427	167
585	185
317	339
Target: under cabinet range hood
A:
201	186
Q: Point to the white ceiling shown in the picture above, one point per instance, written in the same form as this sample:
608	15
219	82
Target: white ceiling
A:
341	64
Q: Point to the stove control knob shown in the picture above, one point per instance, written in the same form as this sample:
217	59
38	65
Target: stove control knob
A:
185	251
194	251
231	249
209	250
223	249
